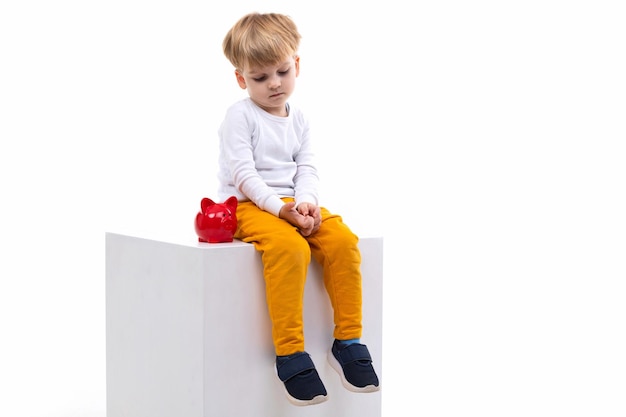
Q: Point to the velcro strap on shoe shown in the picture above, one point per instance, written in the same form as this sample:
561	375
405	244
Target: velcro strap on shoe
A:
354	352
296	364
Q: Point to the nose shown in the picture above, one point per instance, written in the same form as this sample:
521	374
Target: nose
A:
274	82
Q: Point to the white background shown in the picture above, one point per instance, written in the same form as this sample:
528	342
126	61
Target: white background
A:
483	140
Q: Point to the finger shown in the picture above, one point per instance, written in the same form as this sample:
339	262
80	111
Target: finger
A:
303	209
306	223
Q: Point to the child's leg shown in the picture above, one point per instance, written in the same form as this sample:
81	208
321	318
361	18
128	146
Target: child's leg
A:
334	246
286	256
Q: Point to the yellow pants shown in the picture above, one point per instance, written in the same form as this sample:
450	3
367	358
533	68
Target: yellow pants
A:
286	255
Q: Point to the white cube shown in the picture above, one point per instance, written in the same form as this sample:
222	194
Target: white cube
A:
188	333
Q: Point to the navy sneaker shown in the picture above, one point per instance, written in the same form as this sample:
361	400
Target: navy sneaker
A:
303	385
353	363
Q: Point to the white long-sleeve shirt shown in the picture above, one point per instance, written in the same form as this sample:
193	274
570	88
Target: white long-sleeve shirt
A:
264	157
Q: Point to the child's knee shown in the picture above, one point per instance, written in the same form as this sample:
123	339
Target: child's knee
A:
293	245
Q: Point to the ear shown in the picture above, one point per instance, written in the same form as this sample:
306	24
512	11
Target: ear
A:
240	80
206	202
297	61
231	203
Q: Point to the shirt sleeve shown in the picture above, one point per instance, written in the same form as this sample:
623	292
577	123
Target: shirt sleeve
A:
236	133
306	180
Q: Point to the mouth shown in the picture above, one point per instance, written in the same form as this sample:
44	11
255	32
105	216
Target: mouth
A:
276	95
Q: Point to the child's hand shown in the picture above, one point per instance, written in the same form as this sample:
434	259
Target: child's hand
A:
306	223
312	211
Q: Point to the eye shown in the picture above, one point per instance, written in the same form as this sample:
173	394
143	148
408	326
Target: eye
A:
260	79
285	72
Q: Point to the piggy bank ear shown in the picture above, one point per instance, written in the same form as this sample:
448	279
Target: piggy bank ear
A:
231	203
206	202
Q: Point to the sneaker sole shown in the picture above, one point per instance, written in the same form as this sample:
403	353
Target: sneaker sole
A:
334	363
301	403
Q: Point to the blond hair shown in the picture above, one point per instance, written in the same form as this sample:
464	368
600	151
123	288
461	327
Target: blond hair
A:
259	40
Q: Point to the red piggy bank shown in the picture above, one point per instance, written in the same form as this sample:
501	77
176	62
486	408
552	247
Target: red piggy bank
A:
217	222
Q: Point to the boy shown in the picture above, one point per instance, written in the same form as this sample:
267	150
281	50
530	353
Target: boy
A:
266	161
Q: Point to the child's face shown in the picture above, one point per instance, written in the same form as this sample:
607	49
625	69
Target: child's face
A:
270	87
